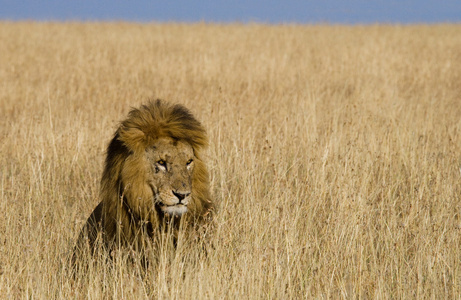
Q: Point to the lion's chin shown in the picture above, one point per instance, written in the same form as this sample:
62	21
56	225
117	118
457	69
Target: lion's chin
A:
174	210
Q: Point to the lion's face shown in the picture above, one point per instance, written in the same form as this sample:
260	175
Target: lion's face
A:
170	176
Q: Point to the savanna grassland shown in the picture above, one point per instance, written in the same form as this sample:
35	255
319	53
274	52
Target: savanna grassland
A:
335	155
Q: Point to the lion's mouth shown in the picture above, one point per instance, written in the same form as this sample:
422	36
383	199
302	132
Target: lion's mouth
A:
176	210
173	210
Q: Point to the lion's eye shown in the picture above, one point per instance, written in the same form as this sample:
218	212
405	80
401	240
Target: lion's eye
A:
189	161
161	162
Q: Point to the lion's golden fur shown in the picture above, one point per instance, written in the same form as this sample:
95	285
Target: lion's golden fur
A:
125	215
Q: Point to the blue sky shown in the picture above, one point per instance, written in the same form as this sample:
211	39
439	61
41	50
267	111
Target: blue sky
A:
268	11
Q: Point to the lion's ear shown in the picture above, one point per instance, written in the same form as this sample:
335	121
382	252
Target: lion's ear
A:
133	138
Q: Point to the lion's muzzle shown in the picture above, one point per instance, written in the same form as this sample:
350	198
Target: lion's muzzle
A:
174	203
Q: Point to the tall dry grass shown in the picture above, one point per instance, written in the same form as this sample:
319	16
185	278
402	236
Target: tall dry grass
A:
334	157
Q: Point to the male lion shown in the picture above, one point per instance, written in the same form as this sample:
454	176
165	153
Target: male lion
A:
153	176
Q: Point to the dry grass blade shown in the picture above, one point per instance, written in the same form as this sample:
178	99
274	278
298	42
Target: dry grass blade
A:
334	157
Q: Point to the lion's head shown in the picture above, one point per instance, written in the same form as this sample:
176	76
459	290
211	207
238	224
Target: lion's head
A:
153	171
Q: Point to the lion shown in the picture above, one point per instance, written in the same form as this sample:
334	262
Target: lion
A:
154	178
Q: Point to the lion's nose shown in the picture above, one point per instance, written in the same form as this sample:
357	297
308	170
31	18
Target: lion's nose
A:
180	196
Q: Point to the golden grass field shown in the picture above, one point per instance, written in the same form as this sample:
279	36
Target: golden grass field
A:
335	155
